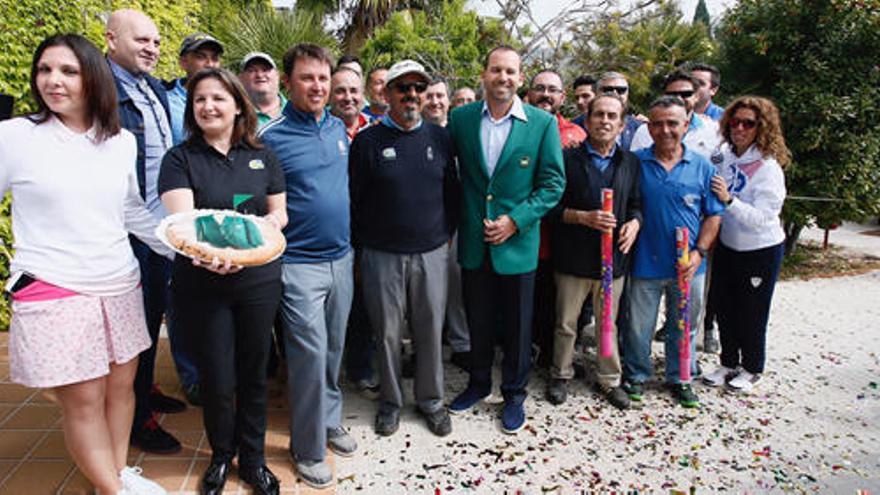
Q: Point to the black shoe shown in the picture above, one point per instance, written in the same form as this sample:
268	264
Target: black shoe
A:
438	421
557	391
461	359
660	336
261	480
618	398
214	478
162	403
636	391
684	394
151	438
193	394
408	368
387	422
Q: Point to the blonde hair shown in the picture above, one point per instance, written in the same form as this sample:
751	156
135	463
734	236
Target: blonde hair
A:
768	137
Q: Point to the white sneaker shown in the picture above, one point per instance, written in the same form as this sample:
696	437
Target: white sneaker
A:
744	381
719	377
135	484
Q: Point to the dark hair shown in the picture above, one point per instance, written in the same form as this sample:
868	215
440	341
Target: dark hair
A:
613	96
544	71
499	48
586	79
244	127
681	75
99	88
305	50
666	102
375	69
714	79
345	59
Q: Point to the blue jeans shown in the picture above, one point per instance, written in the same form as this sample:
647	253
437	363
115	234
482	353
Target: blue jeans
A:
314	307
644	304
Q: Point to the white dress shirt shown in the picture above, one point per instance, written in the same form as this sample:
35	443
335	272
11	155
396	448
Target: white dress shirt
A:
493	133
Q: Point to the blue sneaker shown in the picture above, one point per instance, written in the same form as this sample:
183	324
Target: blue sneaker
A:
513	418
466	400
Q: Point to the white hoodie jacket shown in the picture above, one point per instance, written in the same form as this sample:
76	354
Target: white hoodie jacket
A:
757	186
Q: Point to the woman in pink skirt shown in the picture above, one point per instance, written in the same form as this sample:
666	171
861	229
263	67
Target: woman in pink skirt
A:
78	323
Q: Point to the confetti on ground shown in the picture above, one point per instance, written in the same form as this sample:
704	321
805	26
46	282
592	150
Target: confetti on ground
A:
812	425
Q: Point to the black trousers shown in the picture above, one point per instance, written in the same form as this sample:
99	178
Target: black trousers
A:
488	299
230	333
544	313
744	282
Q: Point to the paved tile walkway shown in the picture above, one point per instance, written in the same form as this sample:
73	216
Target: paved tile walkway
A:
812	426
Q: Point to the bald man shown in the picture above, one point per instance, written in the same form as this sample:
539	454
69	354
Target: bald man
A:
132	52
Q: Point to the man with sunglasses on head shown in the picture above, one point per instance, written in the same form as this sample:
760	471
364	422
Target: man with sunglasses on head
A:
701	135
404	191
615	82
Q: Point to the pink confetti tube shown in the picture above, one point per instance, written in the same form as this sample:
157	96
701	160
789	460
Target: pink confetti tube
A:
684	305
606	333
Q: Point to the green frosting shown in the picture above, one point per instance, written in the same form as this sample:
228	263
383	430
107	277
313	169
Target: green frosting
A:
236	232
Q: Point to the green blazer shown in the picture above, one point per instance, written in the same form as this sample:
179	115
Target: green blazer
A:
528	181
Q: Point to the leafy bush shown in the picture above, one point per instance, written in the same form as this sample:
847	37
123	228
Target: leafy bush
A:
818	61
25	23
449	41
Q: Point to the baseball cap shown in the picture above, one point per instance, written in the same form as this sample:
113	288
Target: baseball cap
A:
250	57
198	40
405	67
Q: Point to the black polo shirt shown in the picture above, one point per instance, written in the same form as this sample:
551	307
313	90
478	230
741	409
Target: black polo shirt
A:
240	181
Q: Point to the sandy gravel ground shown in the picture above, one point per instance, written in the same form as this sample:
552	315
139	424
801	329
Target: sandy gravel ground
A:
811	426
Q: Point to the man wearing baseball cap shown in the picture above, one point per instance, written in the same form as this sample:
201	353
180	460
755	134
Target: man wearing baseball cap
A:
404	187
197	51
259	76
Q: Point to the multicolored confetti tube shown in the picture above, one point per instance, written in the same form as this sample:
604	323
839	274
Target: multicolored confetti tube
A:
684	305
606	330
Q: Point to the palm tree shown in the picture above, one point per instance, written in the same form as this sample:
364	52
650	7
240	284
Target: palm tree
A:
360	17
262	29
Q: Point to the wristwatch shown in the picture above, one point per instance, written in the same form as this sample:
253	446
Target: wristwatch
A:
729	201
703	252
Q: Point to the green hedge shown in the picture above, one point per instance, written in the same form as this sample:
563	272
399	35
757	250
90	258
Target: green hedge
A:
24	23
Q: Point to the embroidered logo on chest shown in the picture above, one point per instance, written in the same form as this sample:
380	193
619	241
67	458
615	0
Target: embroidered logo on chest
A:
430	154
389	153
256	164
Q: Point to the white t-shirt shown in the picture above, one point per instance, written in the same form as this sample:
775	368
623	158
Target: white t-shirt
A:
757	185
701	137
73	204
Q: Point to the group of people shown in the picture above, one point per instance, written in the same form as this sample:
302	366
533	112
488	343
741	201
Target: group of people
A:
479	226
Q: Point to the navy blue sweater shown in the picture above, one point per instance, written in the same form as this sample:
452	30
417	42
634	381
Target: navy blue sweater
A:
404	188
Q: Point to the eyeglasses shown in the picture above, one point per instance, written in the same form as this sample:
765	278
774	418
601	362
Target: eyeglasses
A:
746	124
681	94
403	87
621	90
540	88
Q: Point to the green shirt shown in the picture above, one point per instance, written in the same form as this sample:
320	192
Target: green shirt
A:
263	118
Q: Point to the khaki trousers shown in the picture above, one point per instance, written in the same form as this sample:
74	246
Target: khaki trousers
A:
571	292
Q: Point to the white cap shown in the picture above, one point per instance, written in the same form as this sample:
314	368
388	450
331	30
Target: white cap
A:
250	57
405	67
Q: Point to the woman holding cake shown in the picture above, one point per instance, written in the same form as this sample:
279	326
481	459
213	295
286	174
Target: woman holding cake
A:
225	310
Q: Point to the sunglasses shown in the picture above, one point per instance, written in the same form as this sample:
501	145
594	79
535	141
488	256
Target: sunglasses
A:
681	94
621	90
746	124
403	87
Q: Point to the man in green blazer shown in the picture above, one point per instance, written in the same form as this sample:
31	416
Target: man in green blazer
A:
512	173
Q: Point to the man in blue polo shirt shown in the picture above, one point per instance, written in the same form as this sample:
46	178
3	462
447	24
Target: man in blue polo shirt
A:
312	147
676	192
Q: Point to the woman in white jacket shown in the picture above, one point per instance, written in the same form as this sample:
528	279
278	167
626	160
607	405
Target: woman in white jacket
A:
749	254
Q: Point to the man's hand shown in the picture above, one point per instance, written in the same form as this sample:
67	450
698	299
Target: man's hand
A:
694	261
628	233
497	231
598	219
216	266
